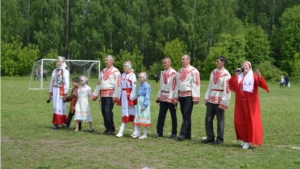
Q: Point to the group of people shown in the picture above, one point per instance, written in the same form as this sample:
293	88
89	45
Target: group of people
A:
284	81
181	87
36	74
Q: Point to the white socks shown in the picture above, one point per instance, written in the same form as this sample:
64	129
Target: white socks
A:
137	132
121	131
144	134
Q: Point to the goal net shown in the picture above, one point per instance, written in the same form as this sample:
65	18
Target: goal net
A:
42	70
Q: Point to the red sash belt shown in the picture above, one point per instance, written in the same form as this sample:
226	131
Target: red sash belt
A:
130	102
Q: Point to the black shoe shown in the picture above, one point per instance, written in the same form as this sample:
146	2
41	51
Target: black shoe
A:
207	141
217	142
172	136
91	130
157	135
104	132
180	137
110	133
55	127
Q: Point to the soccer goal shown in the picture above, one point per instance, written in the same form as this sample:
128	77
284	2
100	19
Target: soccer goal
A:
42	70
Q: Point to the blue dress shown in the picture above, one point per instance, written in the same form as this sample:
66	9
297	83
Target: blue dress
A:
143	118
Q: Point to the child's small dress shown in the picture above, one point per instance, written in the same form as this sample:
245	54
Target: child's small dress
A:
143	118
82	108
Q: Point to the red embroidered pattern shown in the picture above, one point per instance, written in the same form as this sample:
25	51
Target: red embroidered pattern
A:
106	73
216	76
183	73
197	79
222	106
185	94
166	75
213	99
227	86
174	83
106	93
196	99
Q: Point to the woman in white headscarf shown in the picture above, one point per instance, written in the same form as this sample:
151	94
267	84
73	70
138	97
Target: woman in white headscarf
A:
247	119
59	87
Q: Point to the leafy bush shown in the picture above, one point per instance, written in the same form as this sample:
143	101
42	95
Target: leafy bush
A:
269	71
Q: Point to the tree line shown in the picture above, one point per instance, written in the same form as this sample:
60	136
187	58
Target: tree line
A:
265	32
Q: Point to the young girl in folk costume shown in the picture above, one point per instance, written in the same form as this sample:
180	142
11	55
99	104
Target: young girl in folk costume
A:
142	115
82	108
128	96
59	87
73	99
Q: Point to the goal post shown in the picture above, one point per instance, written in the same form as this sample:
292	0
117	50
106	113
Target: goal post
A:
42	71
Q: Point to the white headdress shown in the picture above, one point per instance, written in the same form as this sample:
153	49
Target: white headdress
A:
144	75
84	79
63	65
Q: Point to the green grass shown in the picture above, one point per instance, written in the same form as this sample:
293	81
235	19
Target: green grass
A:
27	140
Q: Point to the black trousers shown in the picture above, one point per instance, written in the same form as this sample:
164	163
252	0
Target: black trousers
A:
45	77
186	107
213	110
106	106
163	109
70	117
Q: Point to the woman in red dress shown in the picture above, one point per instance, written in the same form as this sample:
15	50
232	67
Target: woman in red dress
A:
247	119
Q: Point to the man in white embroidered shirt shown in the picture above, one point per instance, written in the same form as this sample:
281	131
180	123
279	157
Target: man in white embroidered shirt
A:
165	98
188	94
109	89
217	99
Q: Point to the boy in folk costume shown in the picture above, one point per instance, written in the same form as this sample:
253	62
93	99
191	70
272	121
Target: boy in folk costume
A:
73	99
188	95
82	108
168	90
109	89
142	115
59	87
217	98
128	96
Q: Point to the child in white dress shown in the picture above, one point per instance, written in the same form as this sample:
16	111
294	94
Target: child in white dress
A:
82	108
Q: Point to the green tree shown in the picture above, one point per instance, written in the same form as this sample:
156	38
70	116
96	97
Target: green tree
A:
232	47
13	54
257	45
175	49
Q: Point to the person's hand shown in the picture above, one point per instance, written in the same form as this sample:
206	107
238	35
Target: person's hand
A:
258	73
196	102
50	96
143	108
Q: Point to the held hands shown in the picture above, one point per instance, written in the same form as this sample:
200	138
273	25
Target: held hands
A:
143	108
196	102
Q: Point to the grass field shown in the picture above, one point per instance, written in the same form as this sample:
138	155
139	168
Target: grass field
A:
27	140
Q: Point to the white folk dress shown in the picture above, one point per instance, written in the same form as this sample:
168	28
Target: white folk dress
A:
82	108
59	87
128	97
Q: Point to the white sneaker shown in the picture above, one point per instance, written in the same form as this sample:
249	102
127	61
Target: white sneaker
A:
246	145
242	143
132	134
135	136
119	135
142	137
